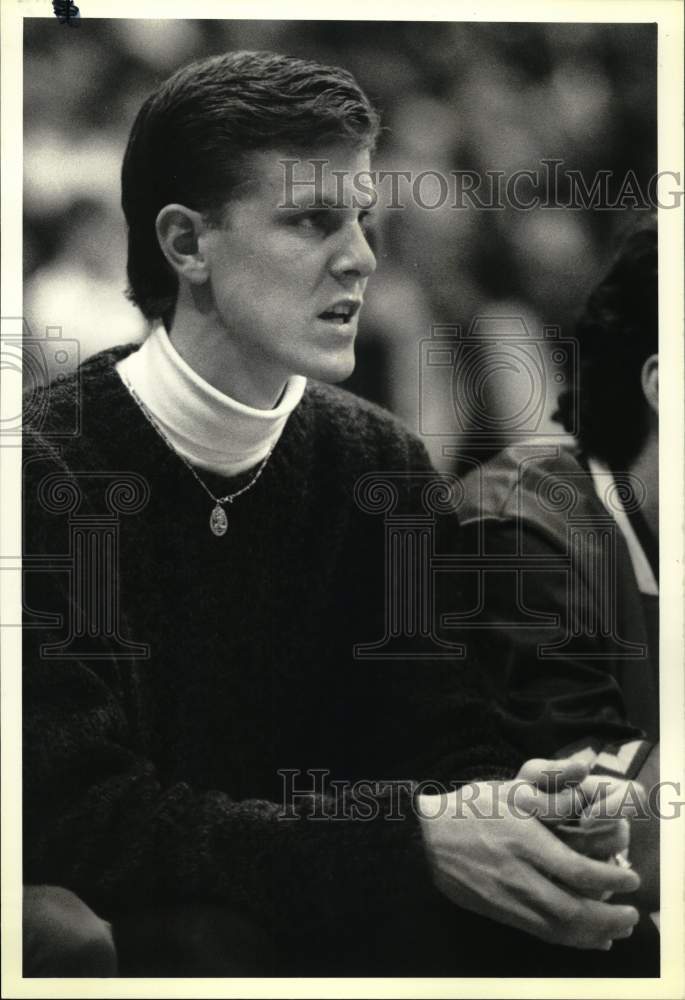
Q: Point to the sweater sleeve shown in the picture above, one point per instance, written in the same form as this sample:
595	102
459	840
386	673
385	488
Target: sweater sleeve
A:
438	720
100	820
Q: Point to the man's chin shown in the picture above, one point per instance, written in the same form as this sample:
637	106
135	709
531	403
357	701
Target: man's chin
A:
333	370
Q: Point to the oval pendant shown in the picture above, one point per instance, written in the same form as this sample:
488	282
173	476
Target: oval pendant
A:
218	521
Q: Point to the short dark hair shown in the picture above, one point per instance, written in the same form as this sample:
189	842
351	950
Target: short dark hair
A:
190	138
616	333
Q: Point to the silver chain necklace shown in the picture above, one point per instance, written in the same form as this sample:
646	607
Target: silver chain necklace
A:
218	519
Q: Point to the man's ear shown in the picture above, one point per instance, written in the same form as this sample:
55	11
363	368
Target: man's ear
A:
178	232
650	382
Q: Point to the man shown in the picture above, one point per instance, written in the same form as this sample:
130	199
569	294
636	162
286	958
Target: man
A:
190	727
571	646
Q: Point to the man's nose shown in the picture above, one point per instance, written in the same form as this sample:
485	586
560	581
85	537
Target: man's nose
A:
354	257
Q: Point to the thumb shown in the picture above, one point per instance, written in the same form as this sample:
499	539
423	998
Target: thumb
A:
553	775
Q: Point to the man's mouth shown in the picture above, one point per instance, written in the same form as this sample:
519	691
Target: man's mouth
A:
341	313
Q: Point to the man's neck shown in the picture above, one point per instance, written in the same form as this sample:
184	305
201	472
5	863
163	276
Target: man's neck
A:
207	348
202	424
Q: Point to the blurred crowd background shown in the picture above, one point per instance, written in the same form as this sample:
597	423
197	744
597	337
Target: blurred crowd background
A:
482	97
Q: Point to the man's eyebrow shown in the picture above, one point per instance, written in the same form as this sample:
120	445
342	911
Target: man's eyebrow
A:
306	202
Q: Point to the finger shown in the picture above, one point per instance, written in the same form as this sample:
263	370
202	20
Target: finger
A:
596	838
553	775
586	756
625	933
530	799
558	916
612	920
584	875
612	797
528	902
604	837
550	808
569	772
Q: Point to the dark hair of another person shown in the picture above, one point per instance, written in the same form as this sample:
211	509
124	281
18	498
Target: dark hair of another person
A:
616	333
190	139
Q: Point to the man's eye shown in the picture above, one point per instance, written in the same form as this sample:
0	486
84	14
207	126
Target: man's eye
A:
312	222
327	221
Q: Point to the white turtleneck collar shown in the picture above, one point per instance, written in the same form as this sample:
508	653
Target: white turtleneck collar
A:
209	429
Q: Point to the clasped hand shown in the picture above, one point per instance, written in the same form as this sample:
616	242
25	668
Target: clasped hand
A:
493	850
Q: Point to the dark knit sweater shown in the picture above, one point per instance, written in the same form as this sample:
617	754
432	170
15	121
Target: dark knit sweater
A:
155	778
